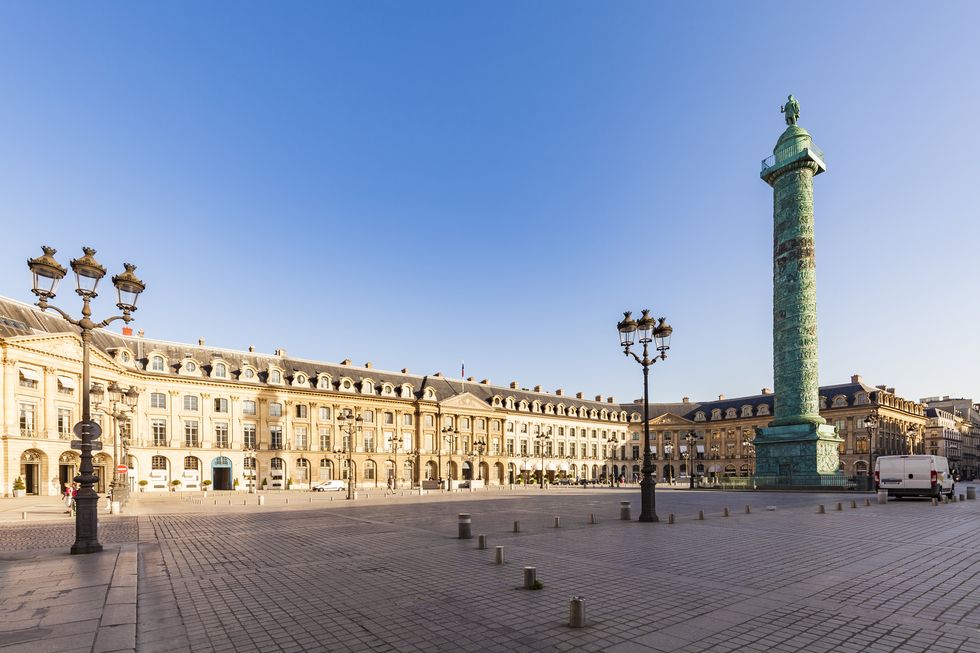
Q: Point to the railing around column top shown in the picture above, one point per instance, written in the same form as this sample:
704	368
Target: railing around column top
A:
790	152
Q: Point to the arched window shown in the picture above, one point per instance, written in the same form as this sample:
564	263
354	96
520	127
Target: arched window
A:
157	364
190	366
158	463
190	462
276	463
249	373
220	370
326	469
369	470
275	376
746	411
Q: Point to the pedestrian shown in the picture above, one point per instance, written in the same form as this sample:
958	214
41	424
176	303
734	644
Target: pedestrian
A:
108	500
74	495
67	498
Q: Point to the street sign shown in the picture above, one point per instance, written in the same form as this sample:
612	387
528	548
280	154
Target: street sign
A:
122	469
90	428
78	444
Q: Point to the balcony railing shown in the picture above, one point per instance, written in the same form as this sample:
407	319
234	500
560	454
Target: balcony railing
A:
790	152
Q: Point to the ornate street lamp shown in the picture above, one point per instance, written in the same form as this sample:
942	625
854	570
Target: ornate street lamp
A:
47	272
871	425
450	434
648	330
692	440
479	446
541	438
668	451
120	407
912	437
350	423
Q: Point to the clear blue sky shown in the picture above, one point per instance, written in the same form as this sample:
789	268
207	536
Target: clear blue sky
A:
416	183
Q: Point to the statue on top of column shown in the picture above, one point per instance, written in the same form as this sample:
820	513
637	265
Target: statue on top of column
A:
791	109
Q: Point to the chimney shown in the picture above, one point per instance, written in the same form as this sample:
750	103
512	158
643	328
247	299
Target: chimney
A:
882	387
856	378
346	361
439	374
251	349
485	382
404	370
685	400
560	392
140	333
890	391
768	391
598	397
611	400
127	331
279	352
638	401
471	379
513	385
580	395
367	365
200	342
721	397
537	388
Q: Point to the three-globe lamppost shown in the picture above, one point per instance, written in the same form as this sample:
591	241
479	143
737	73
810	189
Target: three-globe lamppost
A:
649	330
692	440
450	435
120	407
479	446
350	424
542	438
47	273
871	426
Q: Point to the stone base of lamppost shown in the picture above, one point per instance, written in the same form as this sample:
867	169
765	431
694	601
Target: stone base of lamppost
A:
86	523
648	512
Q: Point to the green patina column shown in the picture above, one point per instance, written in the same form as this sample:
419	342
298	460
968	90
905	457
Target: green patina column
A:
798	447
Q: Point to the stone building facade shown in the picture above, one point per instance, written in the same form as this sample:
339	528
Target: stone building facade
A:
243	418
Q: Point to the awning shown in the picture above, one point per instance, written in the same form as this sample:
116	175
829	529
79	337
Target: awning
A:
700	448
30	375
66	382
551	467
683	448
563	467
653	449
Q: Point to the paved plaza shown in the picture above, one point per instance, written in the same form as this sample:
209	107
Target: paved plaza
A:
181	572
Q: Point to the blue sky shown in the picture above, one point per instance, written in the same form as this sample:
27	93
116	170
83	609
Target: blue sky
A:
419	183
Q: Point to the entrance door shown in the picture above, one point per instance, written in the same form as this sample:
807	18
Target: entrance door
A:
99	471
66	474
31	474
222	478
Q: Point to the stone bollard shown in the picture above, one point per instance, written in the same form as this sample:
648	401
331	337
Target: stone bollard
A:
820	510
244	502
748	510
867	501
624	510
287	502
726	513
962	498
464	526
205	494
854	503
935	502
593	519
701	515
971	493
261	500
498	554
23	515
517	527
670	518
311	498
481	542
839	506
557	521
576	612
114	508
882	496
530	577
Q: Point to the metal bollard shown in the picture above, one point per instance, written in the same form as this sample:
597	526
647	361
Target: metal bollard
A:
971	492
481	541
839	506
820	510
530	577
499	554
592	518
464	526
867	501
935	502
882	496
557	521
517	527
726	513
311	499
748	509
854	503
261	500
624	510
576	612
23	515
701	515
114	508
670	518
962	498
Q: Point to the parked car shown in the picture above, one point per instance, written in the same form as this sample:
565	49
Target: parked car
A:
335	485
908	476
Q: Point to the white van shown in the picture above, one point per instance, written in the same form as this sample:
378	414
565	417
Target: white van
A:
913	476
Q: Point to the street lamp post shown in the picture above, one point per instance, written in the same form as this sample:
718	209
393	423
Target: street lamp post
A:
350	423
669	451
479	446
912	437
692	440
120	406
749	448
449	434
541	438
524	466
649	329
871	425
394	453
47	272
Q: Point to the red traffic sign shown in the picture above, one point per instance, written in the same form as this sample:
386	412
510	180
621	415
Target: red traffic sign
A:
122	469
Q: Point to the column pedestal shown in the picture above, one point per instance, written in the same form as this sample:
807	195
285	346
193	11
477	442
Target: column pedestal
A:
797	456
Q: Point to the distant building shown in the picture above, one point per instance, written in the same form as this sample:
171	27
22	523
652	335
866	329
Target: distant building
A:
954	432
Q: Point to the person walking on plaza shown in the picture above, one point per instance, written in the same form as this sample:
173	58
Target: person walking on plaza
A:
67	498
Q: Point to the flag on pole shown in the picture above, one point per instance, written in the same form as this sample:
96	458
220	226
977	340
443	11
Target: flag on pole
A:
462	369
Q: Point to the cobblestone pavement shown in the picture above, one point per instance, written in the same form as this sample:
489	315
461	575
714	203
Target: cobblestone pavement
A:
390	575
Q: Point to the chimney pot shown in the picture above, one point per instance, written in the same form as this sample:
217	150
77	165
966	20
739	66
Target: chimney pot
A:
140	333
513	385
767	391
610	400
855	378
537	388
200	341
368	365
580	395
281	353
127	331
471	379
251	349
721	397
485	382
346	361
437	374
404	370
559	392
598	397
685	400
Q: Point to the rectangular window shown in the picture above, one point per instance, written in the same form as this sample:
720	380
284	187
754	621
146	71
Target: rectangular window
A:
510	447
221	405
158	400
325	440
407	419
275	409
495	447
275	437
248	407
221	436
302	411
248	436
523	448
571	449
407	440
496	427
369	472
636	452
27	418
369	441
561	449
427	440
429	420
389	418
302	438
28	378
324	412
595	451
190	402
158	427
64	421
190	434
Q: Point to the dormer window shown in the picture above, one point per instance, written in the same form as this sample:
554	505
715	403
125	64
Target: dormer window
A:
840	401
124	356
300	379
367	387
763	409
323	382
190	366
220	370
699	416
430	394
249	373
157	364
746	411
716	413
406	391
731	413
275	376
